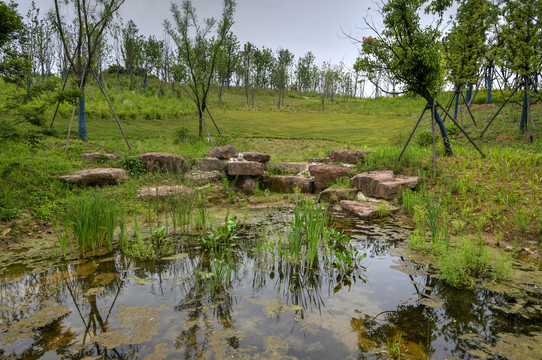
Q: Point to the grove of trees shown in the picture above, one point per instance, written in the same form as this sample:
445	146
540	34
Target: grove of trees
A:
492	45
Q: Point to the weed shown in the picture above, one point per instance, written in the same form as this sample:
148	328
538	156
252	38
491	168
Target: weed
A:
341	183
133	165
92	219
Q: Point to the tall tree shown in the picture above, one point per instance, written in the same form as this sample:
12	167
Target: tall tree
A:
407	52
132	50
14	66
91	20
247	62
465	44
263	65
305	74
281	73
227	61
522	33
197	50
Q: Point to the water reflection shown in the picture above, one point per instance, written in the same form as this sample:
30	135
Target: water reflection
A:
269	307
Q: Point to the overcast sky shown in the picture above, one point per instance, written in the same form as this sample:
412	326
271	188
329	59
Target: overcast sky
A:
297	25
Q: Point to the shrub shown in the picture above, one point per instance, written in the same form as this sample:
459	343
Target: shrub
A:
425	138
133	165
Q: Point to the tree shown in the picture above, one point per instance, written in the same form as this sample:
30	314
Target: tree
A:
522	34
13	64
227	61
263	65
197	51
407	53
247	62
132	50
281	73
306	77
91	20
465	44
152	52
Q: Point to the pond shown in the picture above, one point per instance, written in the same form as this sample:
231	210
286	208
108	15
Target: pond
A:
189	305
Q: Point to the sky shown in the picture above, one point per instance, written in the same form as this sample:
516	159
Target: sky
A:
297	25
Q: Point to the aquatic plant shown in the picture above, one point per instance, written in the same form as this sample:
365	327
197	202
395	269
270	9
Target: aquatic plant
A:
92	219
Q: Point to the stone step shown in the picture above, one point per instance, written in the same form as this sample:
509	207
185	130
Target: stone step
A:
96	177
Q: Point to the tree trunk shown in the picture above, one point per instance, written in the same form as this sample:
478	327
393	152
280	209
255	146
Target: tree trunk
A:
456	109
524	109
447	146
200	128
468	96
489	88
82	119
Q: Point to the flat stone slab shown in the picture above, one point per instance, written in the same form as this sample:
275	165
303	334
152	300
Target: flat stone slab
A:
245	168
164	192
390	190
96	177
367	209
286	168
211	165
256	156
164	162
95	156
325	174
383	184
348	156
201	178
333	196
222	152
317	161
287	183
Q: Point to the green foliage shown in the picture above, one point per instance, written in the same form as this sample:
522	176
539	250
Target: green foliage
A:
156	246
92	219
9	209
182	134
220	238
404	51
133	165
341	183
425	138
465	44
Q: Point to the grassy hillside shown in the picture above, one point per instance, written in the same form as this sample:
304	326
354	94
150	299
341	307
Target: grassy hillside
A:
498	198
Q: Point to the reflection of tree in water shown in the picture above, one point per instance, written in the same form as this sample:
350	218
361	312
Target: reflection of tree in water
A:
428	331
200	295
59	285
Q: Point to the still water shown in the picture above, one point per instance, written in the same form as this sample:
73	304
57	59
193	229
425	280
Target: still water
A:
393	306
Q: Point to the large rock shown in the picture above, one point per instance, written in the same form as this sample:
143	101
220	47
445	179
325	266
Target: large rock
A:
286	168
369	182
201	178
164	192
383	184
317	161
246	184
222	152
368	209
287	183
211	165
390	190
335	195
348	156
325	174
164	162
96	156
96	177
245	168
256	156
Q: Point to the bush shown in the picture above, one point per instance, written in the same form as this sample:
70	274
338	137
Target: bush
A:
425	138
133	165
182	134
